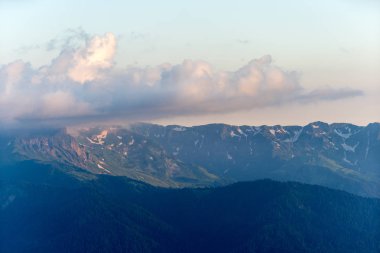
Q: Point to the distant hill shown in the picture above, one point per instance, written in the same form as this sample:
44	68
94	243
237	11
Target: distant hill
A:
341	156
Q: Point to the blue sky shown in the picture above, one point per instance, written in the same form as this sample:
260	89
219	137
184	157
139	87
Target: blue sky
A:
329	44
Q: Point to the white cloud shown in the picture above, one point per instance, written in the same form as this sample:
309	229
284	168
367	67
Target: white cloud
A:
62	104
89	62
83	84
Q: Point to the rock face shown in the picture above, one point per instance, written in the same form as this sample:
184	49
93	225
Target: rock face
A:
57	147
342	156
113	151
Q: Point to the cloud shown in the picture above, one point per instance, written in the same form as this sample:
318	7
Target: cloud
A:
88	62
70	38
329	94
62	104
83	84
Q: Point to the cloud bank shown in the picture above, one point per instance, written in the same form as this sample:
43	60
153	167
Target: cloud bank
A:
83	84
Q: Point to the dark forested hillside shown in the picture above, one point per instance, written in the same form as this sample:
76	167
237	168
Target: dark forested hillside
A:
116	214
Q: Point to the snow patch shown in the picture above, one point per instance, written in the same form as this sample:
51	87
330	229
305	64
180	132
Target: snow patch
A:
281	131
344	136
93	142
295	137
233	134
256	130
179	129
349	148
241	132
101	167
276	145
99	139
367	148
347	161
201	143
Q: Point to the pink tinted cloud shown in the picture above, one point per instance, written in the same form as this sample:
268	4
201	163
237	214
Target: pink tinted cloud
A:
83	83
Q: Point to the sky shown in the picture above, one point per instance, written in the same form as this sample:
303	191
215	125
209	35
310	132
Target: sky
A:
189	62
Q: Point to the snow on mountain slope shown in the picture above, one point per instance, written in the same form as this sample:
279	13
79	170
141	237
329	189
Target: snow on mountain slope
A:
341	156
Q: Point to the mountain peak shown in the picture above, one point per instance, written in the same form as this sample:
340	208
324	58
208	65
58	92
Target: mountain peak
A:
338	155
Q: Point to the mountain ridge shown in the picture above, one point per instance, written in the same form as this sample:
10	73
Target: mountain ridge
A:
338	155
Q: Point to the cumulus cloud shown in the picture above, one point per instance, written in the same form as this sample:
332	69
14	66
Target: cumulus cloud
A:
83	64
89	62
82	84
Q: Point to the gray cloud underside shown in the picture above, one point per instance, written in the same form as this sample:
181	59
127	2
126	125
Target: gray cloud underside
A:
83	85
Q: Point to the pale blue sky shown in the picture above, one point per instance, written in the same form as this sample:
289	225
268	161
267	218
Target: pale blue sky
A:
329	42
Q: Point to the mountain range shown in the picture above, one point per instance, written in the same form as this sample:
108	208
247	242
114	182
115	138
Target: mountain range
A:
340	156
211	188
